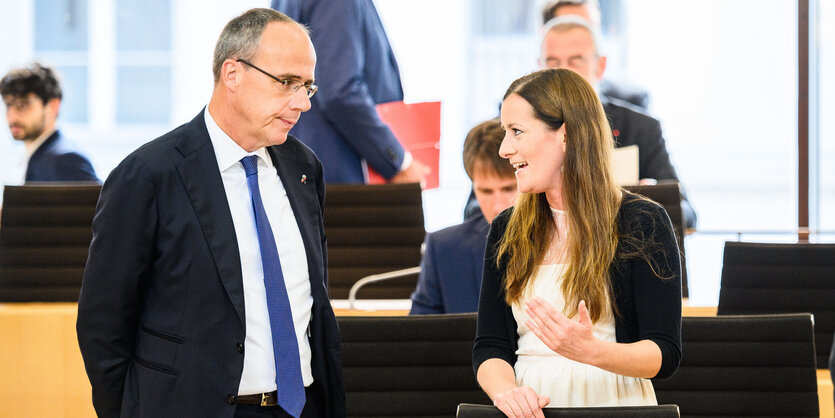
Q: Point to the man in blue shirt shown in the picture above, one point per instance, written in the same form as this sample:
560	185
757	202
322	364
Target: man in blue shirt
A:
450	277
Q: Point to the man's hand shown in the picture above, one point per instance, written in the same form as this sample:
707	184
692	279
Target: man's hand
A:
414	173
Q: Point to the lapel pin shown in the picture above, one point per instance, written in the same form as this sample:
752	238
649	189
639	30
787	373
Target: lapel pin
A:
304	179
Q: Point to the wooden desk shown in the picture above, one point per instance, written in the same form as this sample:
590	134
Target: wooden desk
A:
43	374
42	371
396	308
825	400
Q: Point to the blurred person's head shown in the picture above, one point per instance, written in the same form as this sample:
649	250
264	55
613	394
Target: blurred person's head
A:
587	9
559	140
570	42
263	69
494	182
32	96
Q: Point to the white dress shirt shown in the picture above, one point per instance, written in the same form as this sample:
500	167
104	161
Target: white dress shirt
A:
259	364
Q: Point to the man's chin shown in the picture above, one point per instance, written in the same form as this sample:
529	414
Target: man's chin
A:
278	139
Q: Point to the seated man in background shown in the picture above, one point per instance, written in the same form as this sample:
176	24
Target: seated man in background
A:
33	98
570	42
590	10
450	276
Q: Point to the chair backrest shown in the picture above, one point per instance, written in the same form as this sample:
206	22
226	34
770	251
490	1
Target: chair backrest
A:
416	366
373	229
754	365
668	195
762	278
657	411
44	239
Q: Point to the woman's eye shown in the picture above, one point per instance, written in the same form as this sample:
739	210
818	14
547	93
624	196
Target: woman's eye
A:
516	132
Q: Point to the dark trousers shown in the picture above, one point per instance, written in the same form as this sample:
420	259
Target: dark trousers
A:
311	408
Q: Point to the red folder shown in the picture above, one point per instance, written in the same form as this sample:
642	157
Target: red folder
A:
418	128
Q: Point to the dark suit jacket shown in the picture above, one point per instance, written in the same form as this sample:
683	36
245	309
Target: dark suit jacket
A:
450	275
58	160
161	310
356	70
630	126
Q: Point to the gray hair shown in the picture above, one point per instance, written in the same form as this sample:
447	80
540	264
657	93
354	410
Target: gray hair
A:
241	36
552	8
567	22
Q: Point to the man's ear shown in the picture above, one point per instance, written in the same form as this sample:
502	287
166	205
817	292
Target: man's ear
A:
601	67
230	74
53	106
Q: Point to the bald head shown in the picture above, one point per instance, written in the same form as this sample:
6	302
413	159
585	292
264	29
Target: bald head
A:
241	36
570	42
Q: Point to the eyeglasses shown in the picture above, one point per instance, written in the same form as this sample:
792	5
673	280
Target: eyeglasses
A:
290	86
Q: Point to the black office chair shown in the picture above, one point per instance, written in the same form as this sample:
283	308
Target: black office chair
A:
762	278
748	365
656	411
415	366
373	229
668	195
44	238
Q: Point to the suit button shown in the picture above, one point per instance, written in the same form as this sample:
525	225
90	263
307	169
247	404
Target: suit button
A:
240	348
230	399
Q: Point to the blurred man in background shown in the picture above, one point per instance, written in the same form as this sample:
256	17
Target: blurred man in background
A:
590	10
450	276
570	42
33	99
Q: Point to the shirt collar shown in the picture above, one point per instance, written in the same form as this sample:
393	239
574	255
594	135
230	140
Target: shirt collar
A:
32	146
227	151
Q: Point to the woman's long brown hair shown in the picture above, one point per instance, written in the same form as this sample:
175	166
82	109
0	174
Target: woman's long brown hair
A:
590	197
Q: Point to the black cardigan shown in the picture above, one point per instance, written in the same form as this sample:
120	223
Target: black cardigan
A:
649	307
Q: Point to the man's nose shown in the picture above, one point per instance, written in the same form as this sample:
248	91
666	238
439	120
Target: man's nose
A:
300	101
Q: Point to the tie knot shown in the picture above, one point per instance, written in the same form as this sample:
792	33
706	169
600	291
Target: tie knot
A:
250	163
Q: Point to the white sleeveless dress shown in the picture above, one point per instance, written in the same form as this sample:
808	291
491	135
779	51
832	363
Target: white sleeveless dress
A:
567	382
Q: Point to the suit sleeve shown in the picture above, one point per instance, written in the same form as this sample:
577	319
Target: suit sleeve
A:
110	299
344	97
427	297
493	340
658	301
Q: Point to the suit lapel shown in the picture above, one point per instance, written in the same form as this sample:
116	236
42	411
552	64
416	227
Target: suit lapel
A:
201	178
297	179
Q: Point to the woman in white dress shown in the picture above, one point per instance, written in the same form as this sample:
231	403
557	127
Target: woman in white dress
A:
581	295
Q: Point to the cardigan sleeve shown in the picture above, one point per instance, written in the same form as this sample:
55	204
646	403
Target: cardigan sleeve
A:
496	330
657	300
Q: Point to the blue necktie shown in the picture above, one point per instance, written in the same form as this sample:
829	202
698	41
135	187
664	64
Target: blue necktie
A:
288	375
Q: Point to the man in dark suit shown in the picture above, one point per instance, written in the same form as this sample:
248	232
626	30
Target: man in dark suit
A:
570	42
205	293
33	99
453	260
357	70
